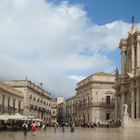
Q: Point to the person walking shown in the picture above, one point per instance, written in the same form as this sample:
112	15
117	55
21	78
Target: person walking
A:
25	128
63	127
72	126
34	128
55	127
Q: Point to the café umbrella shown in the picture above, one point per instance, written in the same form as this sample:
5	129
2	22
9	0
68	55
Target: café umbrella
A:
4	117
18	116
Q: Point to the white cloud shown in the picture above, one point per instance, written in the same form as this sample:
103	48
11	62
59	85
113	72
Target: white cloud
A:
77	78
44	42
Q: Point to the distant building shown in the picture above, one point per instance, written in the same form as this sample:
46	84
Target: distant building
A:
94	100
60	99
36	102
54	111
70	109
61	112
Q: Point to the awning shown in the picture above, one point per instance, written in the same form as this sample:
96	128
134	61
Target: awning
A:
18	116
4	117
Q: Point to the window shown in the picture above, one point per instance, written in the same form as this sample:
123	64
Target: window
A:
19	106
3	100
108	100
107	116
30	97
8	102
14	101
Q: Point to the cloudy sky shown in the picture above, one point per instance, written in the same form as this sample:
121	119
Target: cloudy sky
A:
58	43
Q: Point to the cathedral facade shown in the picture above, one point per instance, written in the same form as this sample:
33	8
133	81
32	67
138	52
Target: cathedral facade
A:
127	84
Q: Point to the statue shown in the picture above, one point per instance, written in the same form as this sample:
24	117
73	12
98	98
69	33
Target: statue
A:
133	21
125	106
116	73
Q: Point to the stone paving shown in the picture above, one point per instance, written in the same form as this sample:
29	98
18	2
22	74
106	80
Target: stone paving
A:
79	134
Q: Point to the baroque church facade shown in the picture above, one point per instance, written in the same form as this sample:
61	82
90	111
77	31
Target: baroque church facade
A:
127	85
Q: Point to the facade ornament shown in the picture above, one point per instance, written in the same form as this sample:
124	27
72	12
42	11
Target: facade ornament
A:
133	21
133	27
130	75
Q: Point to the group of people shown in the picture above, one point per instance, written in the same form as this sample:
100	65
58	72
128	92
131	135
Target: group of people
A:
33	126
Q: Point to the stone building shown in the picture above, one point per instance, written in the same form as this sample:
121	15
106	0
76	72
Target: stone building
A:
128	84
94	99
71	109
11	100
54	111
36	102
61	112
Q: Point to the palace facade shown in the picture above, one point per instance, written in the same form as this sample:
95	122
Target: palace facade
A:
94	100
35	100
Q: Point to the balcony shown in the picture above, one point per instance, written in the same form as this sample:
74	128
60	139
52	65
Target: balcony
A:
95	104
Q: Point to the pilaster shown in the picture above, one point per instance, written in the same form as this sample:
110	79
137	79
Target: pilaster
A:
137	100
132	99
138	58
122	103
116	108
132	59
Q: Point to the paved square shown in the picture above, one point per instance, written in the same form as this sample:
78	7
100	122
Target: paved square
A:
79	134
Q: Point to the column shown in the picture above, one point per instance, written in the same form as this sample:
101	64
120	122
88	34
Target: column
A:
122	104
6	104
132	59
0	99
137	101
132	100
138	58
123	62
116	108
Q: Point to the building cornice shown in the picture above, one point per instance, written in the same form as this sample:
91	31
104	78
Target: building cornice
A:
11	90
94	82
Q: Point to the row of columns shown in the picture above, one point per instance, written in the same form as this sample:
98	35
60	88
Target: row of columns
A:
135	101
134	53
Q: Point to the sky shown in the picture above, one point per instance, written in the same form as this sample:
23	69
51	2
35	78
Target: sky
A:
58	43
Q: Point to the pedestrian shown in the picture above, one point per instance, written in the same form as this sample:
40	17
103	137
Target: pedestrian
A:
63	125
25	128
55	127
72	126
44	127
34	128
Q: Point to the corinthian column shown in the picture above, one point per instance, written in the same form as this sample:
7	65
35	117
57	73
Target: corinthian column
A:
123	61
122	104
132	100
137	101
138	57
116	108
132	59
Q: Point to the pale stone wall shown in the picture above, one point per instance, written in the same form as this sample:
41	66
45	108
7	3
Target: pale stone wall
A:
36	101
8	96
91	94
60	100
